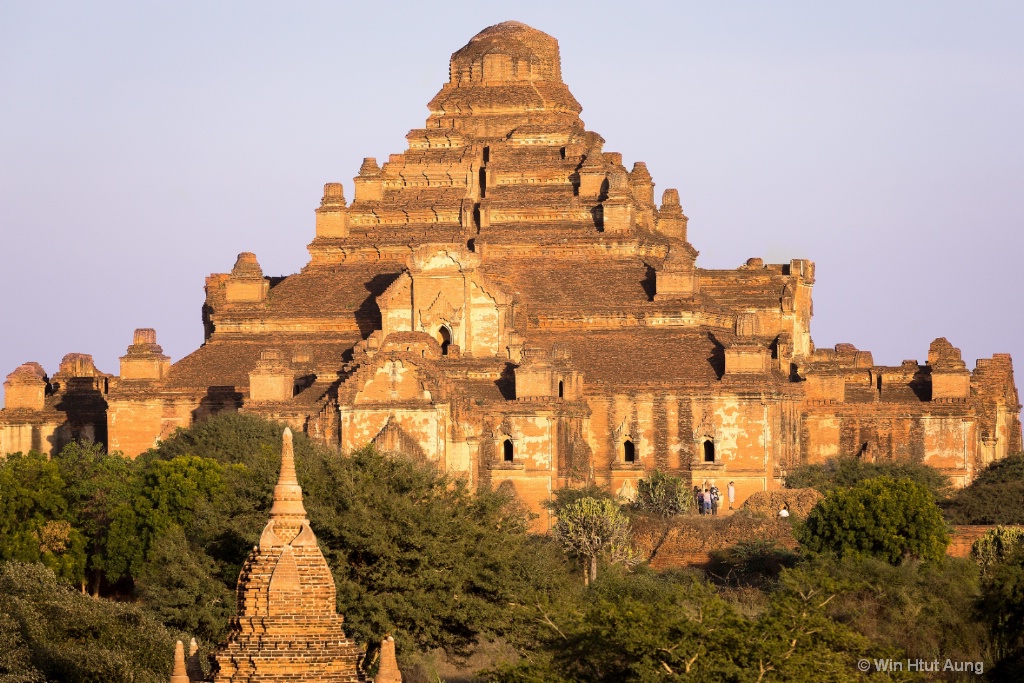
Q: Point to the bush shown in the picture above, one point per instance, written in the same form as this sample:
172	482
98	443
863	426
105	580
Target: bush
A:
845	472
644	626
50	632
996	546
662	495
889	519
414	553
926	609
755	563
995	497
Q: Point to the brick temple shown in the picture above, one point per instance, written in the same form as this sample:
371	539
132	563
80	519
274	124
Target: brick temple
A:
506	301
287	626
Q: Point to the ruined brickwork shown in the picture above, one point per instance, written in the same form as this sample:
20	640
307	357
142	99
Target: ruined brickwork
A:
287	627
506	301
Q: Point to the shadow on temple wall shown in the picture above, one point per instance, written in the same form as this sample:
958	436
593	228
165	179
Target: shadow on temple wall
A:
85	410
303	382
921	384
649	283
368	314
717	357
507	382
217	400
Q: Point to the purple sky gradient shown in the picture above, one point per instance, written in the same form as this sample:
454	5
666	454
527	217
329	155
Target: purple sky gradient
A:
144	145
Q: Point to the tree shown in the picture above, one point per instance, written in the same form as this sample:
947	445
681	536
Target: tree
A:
673	626
165	493
50	632
178	584
846	471
661	497
414	553
35	524
925	609
96	486
996	546
1002	606
886	518
567	495
591	528
996	496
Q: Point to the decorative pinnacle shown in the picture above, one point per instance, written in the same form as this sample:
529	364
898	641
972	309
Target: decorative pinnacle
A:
179	674
388	671
287	493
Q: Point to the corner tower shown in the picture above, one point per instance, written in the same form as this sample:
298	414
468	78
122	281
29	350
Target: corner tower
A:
287	627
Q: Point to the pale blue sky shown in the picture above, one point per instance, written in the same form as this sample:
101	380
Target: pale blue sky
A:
143	145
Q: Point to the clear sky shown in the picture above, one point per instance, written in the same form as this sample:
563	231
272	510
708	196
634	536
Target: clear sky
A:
144	145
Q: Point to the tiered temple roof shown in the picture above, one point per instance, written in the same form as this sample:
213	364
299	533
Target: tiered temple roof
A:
508	301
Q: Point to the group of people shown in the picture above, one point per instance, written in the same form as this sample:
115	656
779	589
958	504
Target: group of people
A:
708	500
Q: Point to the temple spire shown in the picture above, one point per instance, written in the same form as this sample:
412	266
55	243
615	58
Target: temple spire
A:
192	665
179	674
287	493
388	671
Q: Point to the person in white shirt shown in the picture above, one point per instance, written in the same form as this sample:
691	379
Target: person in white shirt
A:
732	494
784	512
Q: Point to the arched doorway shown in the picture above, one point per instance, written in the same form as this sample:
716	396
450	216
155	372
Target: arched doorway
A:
709	451
446	339
628	451
507	451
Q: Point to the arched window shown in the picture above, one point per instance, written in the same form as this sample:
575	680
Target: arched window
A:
507	450
561	389
709	451
446	339
629	451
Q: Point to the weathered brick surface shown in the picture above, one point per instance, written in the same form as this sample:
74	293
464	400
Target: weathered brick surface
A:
507	301
287	628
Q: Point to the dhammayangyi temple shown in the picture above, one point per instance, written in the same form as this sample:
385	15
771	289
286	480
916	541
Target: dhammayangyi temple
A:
506	301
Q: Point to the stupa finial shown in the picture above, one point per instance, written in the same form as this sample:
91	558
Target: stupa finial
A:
388	671
287	493
179	674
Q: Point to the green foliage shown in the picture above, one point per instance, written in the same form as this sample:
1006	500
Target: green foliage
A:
419	555
996	546
662	495
886	518
752	563
178	584
35	522
845	472
49	632
97	485
413	553
591	528
166	493
1002	607
562	497
925	609
995	497
674	627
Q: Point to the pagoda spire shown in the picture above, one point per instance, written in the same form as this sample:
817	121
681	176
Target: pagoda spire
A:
179	674
388	671
288	494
